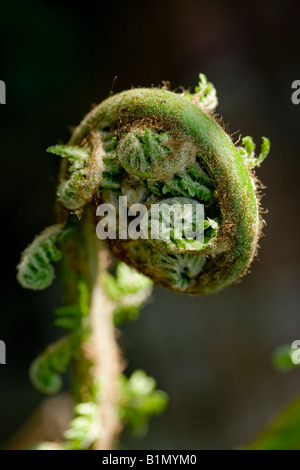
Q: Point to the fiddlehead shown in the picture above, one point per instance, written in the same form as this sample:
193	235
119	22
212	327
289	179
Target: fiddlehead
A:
35	270
158	145
47	368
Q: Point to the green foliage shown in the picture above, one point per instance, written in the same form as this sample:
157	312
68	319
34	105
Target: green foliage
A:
111	175
129	290
143	153
35	270
205	94
140	401
191	181
171	220
76	155
84	428
68	317
84	173
184	184
248	151
181	269
112	170
47	368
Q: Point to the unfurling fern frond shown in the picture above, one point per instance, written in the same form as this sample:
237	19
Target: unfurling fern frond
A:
35	270
248	151
46	369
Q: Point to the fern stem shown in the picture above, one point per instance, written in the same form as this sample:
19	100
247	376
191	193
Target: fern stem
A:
97	365
108	364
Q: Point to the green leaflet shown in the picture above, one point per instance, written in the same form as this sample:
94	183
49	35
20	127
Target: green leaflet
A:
76	155
248	151
180	269
112	170
191	181
205	94
165	164
140	401
46	369
184	185
111	174
168	226
153	156
35	270
68	317
84	172
126	281
84	428
129	290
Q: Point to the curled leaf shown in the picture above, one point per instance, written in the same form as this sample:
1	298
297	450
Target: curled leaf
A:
35	270
45	371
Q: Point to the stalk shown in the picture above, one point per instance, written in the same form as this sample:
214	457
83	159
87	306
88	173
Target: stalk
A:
97	364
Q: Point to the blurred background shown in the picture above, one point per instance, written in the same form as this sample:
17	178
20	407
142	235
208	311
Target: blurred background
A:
211	354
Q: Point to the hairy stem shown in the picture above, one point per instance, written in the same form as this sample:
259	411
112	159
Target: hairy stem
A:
98	363
107	360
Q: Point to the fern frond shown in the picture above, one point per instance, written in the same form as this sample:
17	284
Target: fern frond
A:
84	428
35	270
46	369
129	290
140	401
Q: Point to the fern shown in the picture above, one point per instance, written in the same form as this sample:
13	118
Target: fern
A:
247	152
84	428
46	369
140	401
35	270
129	291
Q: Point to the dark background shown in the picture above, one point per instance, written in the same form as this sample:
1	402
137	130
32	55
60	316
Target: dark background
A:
211	354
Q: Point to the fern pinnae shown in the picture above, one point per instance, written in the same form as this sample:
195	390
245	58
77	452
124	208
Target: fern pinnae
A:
35	270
